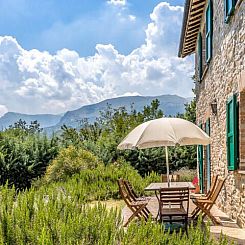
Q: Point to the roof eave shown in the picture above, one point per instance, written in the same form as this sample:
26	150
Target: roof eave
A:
183	29
192	17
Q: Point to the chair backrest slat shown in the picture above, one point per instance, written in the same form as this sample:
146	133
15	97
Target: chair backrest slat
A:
174	195
218	188
130	190
123	192
213	185
175	178
172	177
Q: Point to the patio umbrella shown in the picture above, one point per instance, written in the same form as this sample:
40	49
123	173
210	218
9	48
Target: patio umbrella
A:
164	132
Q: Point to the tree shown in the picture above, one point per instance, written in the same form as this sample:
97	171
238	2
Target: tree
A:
33	127
152	112
24	154
190	111
103	136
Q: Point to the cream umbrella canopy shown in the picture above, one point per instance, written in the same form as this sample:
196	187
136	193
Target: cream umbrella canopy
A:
164	132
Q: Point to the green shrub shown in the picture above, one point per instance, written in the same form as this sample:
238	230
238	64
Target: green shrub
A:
70	161
47	217
152	233
24	156
100	183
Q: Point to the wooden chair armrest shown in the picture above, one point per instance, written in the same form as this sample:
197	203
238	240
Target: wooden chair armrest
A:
198	198
197	195
203	201
143	198
139	203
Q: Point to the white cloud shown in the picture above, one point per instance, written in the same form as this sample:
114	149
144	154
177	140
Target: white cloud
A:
117	2
3	110
38	82
130	94
132	17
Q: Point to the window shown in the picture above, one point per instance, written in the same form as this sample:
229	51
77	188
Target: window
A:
209	31
232	132
199	56
229	9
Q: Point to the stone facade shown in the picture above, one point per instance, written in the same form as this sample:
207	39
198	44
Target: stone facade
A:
224	76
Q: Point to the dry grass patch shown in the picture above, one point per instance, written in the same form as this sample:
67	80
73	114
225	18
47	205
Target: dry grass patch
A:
111	203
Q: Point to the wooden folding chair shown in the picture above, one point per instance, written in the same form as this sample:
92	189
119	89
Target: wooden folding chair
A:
174	205
204	196
205	204
137	207
135	197
172	177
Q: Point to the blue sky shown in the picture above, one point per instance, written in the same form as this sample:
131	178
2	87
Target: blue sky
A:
58	55
43	24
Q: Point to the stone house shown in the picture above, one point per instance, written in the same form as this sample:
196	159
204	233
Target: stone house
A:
214	30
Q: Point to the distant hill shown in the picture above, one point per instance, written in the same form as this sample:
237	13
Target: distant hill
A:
45	120
170	104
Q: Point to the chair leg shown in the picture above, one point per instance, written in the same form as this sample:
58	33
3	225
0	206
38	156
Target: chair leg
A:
213	219
186	223
136	213
186	226
143	213
133	210
195	212
146	212
208	213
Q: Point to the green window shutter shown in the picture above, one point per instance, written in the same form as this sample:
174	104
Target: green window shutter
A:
207	130
229	9
209	31
200	160
208	155
232	136
199	53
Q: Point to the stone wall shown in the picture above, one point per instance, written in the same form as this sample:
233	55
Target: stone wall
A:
224	76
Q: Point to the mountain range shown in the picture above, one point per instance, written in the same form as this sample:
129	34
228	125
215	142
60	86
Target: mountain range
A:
45	120
170	104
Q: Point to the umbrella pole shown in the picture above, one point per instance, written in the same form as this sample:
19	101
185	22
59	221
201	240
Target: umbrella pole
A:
166	153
